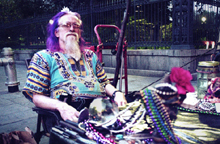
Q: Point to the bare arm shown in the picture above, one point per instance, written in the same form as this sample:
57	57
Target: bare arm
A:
119	96
66	111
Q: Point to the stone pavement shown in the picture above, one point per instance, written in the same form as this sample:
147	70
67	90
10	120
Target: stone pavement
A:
16	111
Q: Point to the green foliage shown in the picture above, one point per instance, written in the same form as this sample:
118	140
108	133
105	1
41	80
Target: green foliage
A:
141	27
21	9
143	30
9	11
166	31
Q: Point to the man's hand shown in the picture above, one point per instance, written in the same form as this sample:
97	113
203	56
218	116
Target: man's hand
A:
67	112
120	99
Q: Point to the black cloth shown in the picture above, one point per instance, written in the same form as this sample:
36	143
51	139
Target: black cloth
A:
80	103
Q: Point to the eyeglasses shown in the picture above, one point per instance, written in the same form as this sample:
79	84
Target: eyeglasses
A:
69	25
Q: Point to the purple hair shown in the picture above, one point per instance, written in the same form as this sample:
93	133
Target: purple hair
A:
52	40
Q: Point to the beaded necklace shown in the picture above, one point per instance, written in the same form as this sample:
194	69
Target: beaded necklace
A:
159	116
97	136
91	130
196	111
154	108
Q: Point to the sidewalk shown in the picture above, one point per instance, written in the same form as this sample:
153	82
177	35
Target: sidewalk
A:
16	111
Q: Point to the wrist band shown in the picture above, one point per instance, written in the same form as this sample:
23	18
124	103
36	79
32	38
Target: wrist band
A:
113	95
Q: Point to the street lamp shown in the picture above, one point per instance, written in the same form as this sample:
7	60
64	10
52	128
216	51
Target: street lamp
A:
203	19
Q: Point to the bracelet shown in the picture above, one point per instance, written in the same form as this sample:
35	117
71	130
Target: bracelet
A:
113	95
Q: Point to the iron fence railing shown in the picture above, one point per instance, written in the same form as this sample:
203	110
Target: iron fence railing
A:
150	24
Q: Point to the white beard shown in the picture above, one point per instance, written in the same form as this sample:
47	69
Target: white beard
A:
72	48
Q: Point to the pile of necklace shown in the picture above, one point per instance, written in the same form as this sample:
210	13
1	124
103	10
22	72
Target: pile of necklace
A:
97	136
122	129
159	116
150	107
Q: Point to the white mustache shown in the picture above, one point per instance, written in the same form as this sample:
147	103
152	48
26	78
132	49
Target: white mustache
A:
73	33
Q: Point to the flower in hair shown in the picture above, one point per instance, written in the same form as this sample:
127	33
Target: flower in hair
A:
65	9
51	21
182	79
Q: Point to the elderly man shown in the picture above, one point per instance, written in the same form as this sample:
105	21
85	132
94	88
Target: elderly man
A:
66	66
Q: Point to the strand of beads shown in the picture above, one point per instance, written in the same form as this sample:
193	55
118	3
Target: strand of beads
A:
97	136
163	112
179	140
148	141
197	111
158	116
164	130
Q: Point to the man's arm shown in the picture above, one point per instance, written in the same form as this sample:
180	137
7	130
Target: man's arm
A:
119	96
66	111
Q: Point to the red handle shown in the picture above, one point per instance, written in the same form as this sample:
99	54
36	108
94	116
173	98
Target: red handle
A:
106	26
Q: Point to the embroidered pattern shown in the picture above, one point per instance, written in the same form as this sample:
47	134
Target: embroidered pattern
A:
65	76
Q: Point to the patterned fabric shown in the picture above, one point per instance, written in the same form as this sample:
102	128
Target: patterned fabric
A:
213	91
52	73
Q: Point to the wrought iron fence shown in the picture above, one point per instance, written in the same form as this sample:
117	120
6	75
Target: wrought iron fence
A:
150	24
